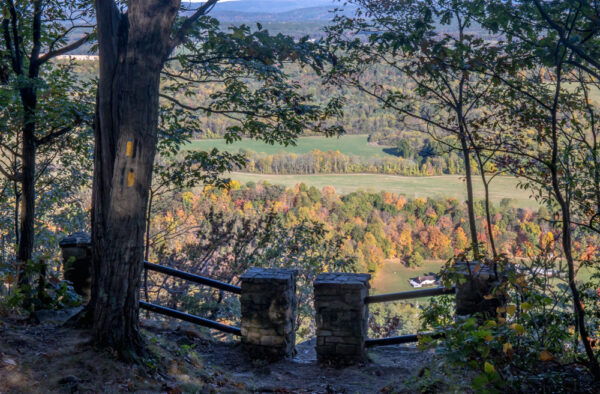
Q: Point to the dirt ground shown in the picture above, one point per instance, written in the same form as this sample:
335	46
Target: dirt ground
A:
49	359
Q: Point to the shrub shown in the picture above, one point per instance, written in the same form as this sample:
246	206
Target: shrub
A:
529	346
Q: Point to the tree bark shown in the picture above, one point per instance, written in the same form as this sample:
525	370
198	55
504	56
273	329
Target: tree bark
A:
16	211
470	203
27	214
462	136
132	49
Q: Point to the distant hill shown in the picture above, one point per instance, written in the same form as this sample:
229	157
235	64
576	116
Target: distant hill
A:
302	14
270	6
250	11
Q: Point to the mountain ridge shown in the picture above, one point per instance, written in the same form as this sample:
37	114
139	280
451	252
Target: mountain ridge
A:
273	6
300	14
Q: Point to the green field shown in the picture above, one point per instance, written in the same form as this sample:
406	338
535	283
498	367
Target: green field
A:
353	145
393	276
411	187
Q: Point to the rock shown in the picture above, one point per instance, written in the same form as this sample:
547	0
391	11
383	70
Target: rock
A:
58	317
9	363
71	379
70	382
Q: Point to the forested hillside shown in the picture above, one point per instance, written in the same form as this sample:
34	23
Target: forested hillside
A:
371	227
408	151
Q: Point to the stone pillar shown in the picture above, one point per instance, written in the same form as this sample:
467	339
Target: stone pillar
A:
470	295
77	262
269	313
341	316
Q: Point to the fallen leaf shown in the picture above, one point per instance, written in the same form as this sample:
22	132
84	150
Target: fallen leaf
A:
546	356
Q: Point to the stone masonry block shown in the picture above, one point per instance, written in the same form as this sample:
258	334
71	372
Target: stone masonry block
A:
341	317
268	313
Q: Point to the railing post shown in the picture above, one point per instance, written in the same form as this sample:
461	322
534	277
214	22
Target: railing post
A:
341	316
471	293
269	313
77	262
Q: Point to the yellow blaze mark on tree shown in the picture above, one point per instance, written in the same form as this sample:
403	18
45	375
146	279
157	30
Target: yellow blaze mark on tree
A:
129	152
130	178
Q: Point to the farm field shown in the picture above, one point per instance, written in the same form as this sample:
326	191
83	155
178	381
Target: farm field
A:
353	145
393	276
412	187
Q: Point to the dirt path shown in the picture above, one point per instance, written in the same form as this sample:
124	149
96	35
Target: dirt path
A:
47	359
389	367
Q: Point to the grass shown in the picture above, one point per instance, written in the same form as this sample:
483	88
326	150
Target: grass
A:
353	145
393	275
357	145
411	187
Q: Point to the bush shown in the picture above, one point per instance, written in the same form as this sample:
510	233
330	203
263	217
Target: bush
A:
415	260
528	346
43	290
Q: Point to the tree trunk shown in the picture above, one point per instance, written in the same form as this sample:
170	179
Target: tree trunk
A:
470	203
565	209
488	215
132	49
26	27
27	214
28	158
462	136
16	212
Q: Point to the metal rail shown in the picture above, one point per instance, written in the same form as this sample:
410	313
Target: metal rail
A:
193	278
392	340
397	340
186	316
190	318
405	295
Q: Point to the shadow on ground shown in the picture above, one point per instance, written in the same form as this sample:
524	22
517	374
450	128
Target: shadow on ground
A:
47	358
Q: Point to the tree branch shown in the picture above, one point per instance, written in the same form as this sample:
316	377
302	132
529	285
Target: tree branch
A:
66	49
181	34
17	57
565	41
12	177
53	136
226	113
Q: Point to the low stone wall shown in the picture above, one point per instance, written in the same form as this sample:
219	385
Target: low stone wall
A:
341	316
268	313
